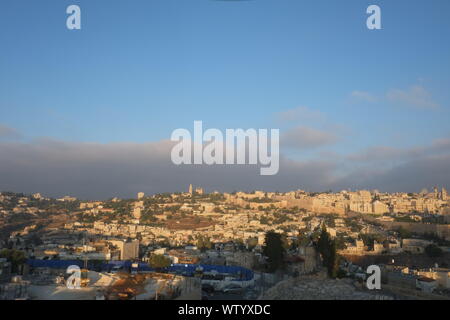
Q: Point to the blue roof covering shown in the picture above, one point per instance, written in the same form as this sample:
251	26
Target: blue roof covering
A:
239	273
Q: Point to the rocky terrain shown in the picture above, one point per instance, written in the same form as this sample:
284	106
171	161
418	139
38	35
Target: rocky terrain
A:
318	288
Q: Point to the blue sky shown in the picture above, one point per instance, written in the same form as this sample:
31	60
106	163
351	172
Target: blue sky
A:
140	69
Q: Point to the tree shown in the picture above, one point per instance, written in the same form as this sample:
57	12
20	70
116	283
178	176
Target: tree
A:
264	220
340	243
203	243
285	241
433	251
370	238
34	240
16	258
274	250
159	261
327	248
323	244
333	262
403	233
302	239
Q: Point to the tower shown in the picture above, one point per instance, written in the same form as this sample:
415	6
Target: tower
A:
190	189
444	195
137	212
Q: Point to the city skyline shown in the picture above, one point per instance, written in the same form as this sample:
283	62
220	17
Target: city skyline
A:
90	112
435	192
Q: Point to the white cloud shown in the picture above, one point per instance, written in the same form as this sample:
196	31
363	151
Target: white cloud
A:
386	154
307	138
99	171
300	114
9	133
415	96
408	176
362	96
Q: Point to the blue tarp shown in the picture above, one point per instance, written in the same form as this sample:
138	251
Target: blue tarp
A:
240	273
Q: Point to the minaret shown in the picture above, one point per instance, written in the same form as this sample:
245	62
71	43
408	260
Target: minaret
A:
137	212
444	195
190	189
